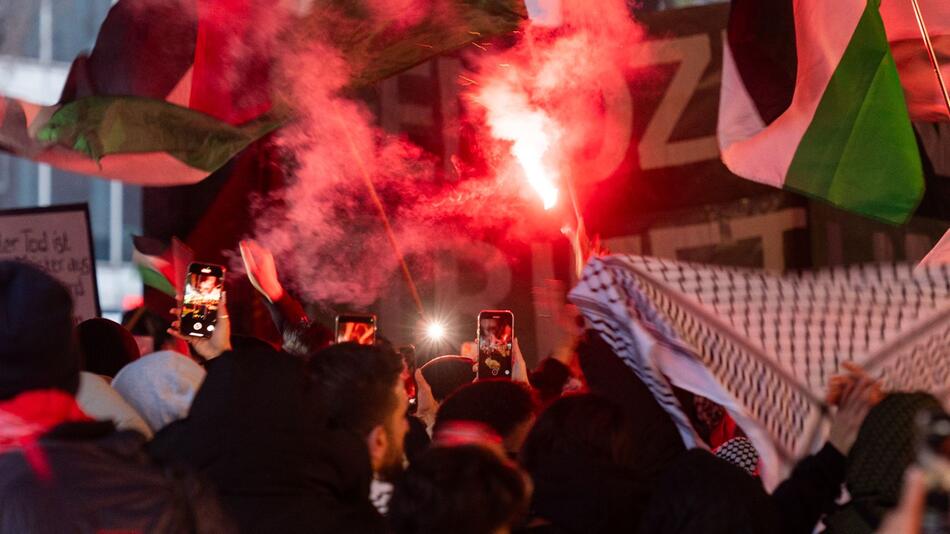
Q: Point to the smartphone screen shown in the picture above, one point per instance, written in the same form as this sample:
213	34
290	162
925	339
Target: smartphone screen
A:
204	284
496	334
356	328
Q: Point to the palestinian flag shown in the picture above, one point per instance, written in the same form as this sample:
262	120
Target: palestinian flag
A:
162	267
924	98
164	98
812	101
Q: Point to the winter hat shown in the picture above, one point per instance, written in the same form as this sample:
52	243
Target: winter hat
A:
106	346
445	374
37	348
160	386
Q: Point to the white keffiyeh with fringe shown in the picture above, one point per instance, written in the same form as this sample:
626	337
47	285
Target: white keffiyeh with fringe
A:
765	345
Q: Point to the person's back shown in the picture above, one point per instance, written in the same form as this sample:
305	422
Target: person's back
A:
581	455
60	471
250	432
85	477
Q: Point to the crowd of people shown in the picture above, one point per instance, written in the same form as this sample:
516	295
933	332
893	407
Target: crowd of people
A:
237	435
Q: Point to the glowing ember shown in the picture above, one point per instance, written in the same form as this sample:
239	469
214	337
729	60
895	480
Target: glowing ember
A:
531	131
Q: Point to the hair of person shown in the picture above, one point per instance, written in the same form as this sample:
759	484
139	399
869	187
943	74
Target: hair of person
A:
549	378
306	338
446	374
458	490
106	346
502	405
702	493
582	425
354	384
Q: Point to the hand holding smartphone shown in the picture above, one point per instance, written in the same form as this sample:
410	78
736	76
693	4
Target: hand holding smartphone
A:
204	286
496	334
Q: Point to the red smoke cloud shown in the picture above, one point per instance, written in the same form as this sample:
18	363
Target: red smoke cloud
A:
323	228
545	96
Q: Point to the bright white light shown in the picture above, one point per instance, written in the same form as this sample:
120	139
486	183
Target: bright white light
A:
435	331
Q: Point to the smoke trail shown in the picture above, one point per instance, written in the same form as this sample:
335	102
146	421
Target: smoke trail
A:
322	226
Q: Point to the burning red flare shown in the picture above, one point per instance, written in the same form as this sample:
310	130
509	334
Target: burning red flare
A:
531	131
548	95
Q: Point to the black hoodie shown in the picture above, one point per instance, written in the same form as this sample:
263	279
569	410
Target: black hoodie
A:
254	431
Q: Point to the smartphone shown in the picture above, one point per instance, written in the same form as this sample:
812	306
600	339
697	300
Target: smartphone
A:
496	336
204	284
356	328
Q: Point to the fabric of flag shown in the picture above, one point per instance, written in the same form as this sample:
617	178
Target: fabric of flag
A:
811	101
162	267
173	90
939	255
764	345
925	100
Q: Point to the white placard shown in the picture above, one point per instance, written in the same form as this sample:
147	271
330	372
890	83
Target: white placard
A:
57	239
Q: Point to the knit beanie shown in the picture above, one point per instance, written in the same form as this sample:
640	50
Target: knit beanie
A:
445	374
37	345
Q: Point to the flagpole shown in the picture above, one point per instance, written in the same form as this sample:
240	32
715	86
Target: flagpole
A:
381	210
932	54
580	244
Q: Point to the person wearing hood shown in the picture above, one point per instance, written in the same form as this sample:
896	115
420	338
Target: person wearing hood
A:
252	432
161	386
102	402
582	456
61	471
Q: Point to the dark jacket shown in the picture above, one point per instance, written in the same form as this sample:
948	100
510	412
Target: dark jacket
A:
702	494
577	495
101	480
798	503
253	431
810	491
607	375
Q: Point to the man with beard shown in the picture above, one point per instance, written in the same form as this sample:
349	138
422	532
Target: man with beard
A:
292	447
360	393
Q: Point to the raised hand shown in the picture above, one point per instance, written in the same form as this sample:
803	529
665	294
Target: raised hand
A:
261	270
519	369
854	394
208	347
